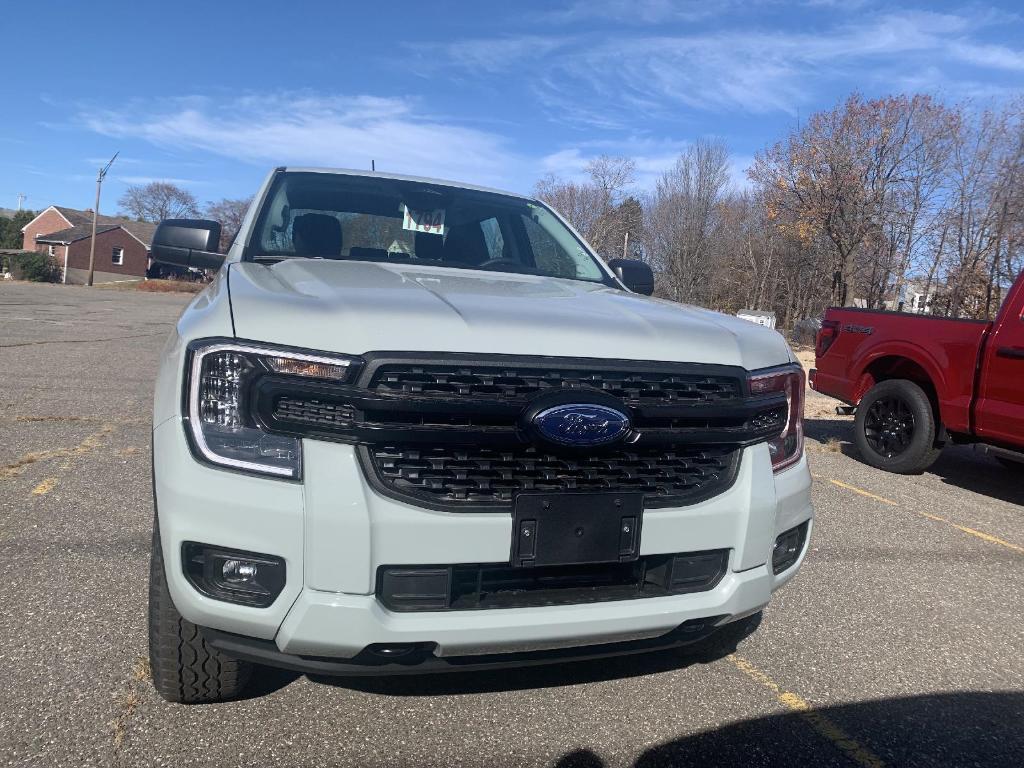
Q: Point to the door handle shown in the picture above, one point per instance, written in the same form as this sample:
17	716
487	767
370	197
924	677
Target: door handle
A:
1014	353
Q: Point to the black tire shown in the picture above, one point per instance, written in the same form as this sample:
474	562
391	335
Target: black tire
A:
725	640
895	428
185	669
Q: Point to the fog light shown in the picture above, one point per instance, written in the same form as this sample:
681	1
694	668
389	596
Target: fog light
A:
234	576
788	547
239	571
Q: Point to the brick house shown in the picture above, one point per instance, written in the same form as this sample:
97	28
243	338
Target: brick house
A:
122	247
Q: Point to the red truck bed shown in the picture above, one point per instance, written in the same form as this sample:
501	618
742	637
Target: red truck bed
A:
954	379
871	346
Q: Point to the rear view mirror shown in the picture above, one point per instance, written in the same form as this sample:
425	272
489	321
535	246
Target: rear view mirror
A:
187	243
634	274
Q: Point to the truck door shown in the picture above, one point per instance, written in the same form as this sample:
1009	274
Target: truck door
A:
1000	410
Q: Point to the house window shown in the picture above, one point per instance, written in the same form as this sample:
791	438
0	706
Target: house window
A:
117	257
51	250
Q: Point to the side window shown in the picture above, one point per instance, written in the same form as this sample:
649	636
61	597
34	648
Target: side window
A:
493	238
117	255
548	255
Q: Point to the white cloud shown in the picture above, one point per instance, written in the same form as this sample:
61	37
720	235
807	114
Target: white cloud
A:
151	179
348	132
992	56
311	129
605	83
652	158
102	161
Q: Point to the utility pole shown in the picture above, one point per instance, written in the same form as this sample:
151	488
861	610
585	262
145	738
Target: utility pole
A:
21	199
95	213
625	245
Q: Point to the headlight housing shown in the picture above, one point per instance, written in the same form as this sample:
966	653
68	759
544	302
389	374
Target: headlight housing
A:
219	421
788	447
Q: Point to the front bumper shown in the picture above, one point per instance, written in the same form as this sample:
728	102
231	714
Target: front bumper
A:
334	532
423	660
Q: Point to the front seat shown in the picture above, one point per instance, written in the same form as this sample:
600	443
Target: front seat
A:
428	246
317	234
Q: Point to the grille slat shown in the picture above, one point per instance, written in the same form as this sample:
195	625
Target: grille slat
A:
647	387
492	477
312	411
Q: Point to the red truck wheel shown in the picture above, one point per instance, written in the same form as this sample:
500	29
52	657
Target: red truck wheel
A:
895	428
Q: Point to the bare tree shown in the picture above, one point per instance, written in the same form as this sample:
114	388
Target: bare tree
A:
158	200
230	214
859	203
597	208
684	218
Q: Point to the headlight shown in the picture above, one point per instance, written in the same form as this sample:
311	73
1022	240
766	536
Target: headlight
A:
788	447
219	420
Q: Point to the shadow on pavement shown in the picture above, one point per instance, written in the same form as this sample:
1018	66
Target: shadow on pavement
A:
963	467
952	729
267	680
823	430
958	465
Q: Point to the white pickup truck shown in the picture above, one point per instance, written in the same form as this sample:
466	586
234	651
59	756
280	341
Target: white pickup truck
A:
416	426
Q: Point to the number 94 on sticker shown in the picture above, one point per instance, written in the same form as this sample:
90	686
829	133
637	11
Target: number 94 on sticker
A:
424	221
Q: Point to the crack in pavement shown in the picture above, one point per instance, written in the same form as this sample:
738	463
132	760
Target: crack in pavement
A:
87	446
78	341
129	702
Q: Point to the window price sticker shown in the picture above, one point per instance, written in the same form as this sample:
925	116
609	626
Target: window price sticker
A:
431	222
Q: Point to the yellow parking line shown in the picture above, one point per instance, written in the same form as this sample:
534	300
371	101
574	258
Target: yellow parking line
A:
862	492
973	532
45	487
818	721
980	534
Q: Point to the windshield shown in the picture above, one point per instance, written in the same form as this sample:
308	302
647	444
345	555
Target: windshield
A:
357	218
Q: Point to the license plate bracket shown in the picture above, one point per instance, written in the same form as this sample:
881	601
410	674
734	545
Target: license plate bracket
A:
576	528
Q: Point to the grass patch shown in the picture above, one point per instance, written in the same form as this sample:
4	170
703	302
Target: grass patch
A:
169	286
833	445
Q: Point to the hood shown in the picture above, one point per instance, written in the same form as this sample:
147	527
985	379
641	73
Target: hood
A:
357	307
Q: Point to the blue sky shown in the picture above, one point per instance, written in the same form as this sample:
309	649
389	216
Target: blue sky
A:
213	94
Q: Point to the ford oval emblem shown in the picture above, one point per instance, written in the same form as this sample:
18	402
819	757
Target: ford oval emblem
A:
581	424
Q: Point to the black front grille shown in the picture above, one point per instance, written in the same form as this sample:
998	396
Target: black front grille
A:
498	585
453	476
457	432
313	411
518	382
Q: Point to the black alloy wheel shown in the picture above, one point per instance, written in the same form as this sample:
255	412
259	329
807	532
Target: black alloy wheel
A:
889	426
896	428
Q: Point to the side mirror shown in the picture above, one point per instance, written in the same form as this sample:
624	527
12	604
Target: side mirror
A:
187	243
634	274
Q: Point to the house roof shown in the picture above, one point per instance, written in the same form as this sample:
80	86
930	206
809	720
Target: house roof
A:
81	227
140	230
77	217
74	234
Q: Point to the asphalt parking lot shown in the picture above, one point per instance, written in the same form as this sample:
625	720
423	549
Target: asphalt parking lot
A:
901	642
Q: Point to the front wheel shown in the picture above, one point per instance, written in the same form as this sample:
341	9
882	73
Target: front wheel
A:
895	428
185	669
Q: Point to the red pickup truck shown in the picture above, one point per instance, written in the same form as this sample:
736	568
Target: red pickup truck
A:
919	382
